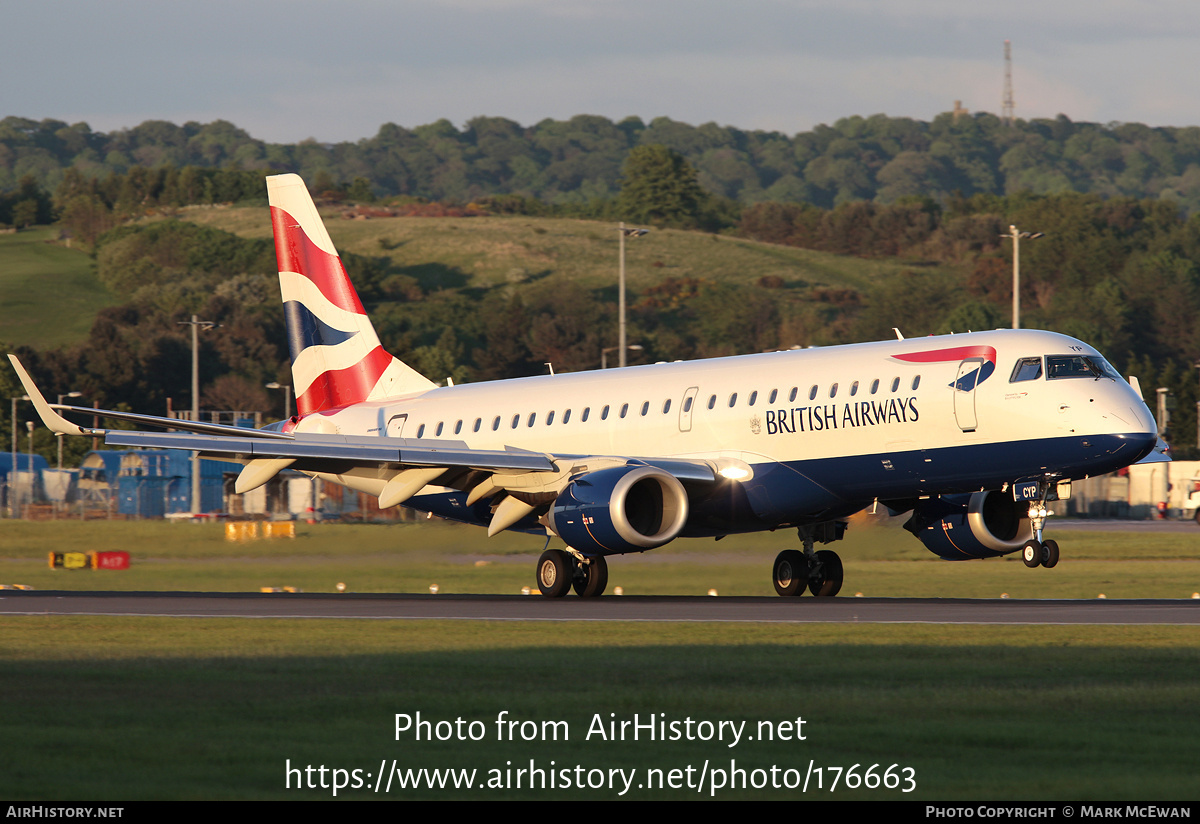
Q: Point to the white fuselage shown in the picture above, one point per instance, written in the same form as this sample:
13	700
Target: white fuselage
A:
798	408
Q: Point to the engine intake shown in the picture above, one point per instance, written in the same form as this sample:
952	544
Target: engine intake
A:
621	509
979	525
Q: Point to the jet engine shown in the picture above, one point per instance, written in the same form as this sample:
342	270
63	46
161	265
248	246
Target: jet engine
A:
621	509
978	525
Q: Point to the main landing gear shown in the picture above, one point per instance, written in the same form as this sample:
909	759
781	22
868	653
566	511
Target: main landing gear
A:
559	571
818	572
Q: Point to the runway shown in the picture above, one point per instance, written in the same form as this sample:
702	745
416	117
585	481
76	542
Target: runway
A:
802	610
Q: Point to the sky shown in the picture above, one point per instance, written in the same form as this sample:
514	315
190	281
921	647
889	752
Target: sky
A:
287	71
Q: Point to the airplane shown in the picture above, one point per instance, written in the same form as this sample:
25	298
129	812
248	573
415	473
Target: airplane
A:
973	434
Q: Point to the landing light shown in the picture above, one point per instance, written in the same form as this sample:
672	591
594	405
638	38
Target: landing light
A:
734	473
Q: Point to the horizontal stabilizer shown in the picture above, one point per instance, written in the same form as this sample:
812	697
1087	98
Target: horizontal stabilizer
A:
1158	454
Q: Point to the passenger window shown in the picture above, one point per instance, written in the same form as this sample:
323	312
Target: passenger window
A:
645	408
532	418
586	411
479	423
458	427
812	393
774	395
732	400
874	386
753	397
438	432
795	391
549	418
712	401
516	420
854	389
833	391
604	414
1027	369
496	424
687	404
421	431
567	416
624	409
666	406
916	382
895	384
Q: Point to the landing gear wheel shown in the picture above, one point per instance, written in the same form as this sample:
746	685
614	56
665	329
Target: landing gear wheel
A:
591	579
554	573
790	572
825	577
1031	554
1049	554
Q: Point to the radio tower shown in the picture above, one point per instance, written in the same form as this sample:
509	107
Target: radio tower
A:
1008	104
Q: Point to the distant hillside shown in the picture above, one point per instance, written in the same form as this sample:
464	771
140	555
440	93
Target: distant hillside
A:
577	161
49	294
485	253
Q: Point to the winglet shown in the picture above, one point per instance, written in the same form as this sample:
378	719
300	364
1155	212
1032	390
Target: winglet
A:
53	421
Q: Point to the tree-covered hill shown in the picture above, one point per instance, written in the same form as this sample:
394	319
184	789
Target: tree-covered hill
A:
877	158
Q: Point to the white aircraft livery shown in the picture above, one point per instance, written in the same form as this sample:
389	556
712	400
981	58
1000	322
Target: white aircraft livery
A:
973	434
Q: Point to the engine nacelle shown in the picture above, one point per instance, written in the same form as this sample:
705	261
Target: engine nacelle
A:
621	509
979	525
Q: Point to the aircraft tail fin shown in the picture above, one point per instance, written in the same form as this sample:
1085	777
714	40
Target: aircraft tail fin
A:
337	359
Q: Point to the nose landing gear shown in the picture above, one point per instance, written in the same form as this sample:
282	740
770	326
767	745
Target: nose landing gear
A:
1038	552
1043	553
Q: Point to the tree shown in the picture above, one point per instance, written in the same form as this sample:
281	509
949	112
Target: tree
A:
24	214
659	186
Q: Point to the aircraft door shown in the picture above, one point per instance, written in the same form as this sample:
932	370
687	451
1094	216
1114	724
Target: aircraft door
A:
395	425
685	409
964	393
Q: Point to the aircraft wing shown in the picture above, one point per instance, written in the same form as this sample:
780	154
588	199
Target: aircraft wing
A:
402	465
354	448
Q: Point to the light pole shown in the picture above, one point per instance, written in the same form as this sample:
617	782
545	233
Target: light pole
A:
196	325
287	397
59	434
1198	416
637	347
1015	235
13	503
624	233
29	428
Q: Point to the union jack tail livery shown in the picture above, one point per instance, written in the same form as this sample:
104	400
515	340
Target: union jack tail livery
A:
337	359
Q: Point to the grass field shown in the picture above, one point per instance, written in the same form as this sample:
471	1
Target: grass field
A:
49	294
129	708
880	561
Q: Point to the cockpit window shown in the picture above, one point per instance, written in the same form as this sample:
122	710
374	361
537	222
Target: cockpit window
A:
1079	366
1027	369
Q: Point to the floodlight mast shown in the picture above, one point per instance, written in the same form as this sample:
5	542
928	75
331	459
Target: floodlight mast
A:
624	233
1015	236
196	325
